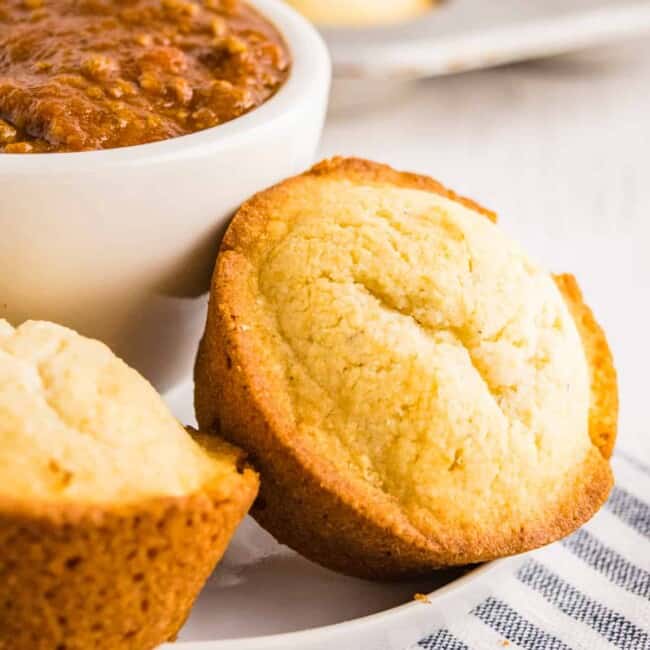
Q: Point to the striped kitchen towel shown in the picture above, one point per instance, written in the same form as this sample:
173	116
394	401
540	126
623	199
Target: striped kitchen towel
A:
587	592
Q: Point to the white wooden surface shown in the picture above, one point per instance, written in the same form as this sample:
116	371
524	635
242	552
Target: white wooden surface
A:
561	149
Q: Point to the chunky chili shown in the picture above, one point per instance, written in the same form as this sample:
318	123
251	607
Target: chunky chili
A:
81	75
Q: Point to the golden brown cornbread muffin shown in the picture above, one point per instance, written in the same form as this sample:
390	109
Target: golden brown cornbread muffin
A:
361	12
416	392
111	515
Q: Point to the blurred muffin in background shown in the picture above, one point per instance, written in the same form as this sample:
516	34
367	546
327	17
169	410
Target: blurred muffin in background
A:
361	12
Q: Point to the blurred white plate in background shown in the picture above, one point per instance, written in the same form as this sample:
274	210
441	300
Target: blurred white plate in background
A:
460	35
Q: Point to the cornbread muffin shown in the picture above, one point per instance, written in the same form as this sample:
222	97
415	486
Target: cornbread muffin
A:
111	515
417	393
361	12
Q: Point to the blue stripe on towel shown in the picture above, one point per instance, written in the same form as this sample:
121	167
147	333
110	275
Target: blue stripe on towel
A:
442	640
630	509
612	625
608	562
514	627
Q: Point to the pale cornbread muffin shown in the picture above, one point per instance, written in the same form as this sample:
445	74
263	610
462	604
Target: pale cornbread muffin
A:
361	12
111	515
416	392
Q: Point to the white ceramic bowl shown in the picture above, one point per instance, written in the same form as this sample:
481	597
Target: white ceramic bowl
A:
120	244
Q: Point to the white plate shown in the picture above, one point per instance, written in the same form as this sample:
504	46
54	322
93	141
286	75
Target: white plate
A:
462	35
263	596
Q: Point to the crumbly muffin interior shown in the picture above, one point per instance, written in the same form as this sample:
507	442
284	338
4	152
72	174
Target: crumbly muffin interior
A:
78	424
422	351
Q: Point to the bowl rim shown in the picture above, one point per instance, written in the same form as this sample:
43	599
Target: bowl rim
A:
310	74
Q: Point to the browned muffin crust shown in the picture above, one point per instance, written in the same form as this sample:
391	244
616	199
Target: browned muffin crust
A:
76	577
603	416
